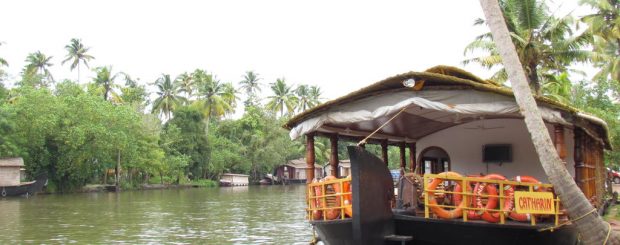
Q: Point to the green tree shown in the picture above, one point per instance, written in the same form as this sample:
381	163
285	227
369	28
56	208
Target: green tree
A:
191	140
545	44
133	93
304	100
105	80
315	95
38	63
283	97
186	84
77	53
604	26
3	62
212	95
229	95
251	86
168	98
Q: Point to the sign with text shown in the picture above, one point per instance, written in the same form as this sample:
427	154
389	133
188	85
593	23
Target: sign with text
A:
534	202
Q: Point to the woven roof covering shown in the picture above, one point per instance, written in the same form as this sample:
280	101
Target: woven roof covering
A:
448	78
12	162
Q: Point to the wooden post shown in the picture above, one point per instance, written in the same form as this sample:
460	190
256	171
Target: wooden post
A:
579	158
412	153
403	161
333	159
309	157
560	145
384	151
117	172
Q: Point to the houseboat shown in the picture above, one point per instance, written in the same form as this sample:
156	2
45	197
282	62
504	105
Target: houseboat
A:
472	174
344	168
295	171
229	179
12	173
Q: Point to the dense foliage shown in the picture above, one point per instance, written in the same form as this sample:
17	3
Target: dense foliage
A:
548	45
79	133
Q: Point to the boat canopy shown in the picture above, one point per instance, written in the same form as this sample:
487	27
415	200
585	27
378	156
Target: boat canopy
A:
438	98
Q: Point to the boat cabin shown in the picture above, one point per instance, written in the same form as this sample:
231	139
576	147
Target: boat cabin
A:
296	171
449	120
229	179
10	171
344	168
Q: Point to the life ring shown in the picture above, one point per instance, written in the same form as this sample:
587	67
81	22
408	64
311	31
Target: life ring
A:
509	192
439	211
457	199
3	192
525	217
315	201
332	213
348	202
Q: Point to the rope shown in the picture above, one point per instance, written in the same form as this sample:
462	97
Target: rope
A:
608	233
363	142
572	220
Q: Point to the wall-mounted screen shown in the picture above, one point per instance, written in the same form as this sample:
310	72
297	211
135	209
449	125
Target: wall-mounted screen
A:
497	153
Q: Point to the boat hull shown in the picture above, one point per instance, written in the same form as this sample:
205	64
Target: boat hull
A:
30	188
434	232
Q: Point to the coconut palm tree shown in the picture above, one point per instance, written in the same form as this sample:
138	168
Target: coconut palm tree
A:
212	95
105	79
76	53
604	26
282	98
168	98
545	44
38	63
229	94
3	62
315	95
186	84
592	228
251	86
303	97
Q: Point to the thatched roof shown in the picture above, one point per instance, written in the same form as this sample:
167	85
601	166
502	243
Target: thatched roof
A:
449	78
12	162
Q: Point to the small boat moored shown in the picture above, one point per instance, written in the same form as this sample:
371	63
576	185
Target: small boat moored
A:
229	179
10	179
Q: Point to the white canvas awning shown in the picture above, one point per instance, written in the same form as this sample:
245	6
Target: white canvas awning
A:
441	108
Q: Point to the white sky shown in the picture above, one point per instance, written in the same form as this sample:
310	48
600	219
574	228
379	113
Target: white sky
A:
339	45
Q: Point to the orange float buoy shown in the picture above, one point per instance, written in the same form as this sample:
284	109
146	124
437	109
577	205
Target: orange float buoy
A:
493	216
315	202
333	188
348	202
439	211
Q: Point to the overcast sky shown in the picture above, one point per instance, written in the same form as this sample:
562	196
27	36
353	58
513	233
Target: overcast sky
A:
339	45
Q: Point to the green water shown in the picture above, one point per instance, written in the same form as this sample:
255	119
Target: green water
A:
230	215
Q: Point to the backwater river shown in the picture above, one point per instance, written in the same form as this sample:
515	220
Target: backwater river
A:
227	215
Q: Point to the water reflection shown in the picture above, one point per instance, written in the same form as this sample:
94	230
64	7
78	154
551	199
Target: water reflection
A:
232	215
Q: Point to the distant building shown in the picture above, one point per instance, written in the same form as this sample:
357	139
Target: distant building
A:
295	171
10	171
344	168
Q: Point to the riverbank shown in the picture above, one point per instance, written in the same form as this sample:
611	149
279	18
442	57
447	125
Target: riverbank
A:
104	188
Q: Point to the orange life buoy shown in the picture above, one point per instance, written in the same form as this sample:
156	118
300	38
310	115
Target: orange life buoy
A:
330	189
348	202
315	201
439	211
509	192
458	198
525	217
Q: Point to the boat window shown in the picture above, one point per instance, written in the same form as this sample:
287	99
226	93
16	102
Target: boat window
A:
434	160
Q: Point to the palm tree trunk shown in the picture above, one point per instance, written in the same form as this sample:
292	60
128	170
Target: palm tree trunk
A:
78	80
592	228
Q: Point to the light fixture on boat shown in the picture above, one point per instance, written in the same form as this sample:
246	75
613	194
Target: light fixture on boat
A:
409	83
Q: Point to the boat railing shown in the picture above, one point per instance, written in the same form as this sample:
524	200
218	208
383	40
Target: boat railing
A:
328	197
467	196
